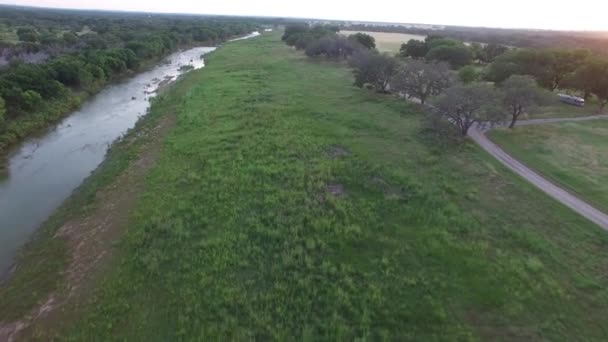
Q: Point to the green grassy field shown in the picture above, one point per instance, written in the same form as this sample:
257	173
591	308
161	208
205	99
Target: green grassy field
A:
572	154
562	110
388	41
289	205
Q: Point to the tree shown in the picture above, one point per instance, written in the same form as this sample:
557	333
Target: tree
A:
375	69
415	49
421	80
536	63
27	34
70	38
594	78
293	29
70	71
332	46
31	100
364	40
491	51
468	74
565	62
2	111
456	55
467	105
303	40
519	94
476	51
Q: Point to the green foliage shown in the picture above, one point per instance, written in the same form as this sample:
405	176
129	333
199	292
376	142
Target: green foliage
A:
550	68
469	104
31	100
374	69
438	49
247	243
107	47
71	71
2	111
490	52
594	77
520	93
332	46
476	51
27	34
468	74
456	55
414	48
320	38
292	30
364	40
70	38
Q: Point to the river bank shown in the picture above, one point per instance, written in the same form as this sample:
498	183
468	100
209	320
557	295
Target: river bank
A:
44	170
37	123
47	255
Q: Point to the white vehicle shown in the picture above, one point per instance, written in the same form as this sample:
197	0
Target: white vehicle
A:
571	100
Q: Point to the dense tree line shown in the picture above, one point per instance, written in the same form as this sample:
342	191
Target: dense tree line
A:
79	52
596	42
452	51
324	40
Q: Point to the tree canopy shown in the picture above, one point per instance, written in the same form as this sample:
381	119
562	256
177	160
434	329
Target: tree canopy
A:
520	93
364	40
467	105
375	69
422	80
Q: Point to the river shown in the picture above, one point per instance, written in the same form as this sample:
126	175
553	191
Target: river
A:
43	171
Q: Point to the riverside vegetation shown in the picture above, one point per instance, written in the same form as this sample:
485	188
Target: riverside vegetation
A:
51	60
293	213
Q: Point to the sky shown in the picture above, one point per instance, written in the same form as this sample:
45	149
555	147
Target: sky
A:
535	14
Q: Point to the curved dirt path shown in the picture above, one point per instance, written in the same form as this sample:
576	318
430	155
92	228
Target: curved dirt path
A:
583	208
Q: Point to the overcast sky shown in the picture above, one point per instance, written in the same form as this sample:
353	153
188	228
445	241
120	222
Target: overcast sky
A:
541	14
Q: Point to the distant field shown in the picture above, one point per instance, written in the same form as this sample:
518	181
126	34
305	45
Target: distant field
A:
388	41
572	154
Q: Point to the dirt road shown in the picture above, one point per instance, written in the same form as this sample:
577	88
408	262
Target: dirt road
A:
573	202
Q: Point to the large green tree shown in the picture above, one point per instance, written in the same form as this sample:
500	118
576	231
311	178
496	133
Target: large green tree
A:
592	77
456	56
468	105
375	69
364	40
520	93
414	48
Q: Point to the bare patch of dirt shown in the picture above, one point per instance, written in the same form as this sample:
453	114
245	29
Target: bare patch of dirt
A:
336	190
91	238
337	151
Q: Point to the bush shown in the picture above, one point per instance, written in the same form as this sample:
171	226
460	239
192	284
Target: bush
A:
334	46
375	69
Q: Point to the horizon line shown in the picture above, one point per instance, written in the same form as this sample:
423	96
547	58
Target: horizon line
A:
300	18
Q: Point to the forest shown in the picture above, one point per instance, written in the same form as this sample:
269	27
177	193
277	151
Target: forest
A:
51	60
594	41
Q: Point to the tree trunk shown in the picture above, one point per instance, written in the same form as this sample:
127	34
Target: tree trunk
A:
602	105
465	130
514	117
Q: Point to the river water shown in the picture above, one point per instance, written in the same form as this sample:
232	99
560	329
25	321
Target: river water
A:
45	170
